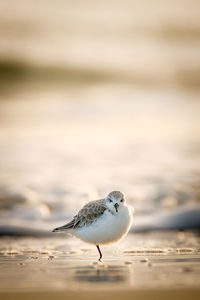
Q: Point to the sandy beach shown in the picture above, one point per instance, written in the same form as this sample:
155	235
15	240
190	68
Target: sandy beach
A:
183	294
60	268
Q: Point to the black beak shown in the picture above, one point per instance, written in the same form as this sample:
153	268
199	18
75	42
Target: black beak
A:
116	206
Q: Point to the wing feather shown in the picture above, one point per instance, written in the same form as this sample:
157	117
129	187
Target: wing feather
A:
88	214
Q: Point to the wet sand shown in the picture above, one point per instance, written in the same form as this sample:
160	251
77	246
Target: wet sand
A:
154	265
164	294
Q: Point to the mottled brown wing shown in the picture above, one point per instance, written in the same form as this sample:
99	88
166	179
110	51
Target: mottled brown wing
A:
87	214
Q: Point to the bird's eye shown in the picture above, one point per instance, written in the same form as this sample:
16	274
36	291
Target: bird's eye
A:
121	200
110	200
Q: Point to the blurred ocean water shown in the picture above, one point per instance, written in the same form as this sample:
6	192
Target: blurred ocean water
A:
95	97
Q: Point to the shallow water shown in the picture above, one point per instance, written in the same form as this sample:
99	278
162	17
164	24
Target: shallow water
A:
58	154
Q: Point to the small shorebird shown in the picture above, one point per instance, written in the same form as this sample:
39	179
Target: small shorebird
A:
101	221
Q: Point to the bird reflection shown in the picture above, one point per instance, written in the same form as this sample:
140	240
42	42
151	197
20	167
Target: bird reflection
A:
101	273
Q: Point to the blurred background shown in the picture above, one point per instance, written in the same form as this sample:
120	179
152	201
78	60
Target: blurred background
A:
97	96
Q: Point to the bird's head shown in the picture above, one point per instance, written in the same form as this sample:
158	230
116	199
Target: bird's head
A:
114	201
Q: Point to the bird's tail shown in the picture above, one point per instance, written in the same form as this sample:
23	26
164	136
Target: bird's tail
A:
59	229
65	227
56	229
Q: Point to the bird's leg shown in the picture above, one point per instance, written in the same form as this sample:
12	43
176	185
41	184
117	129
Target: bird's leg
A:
99	252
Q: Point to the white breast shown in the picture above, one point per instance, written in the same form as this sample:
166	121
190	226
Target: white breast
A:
106	229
